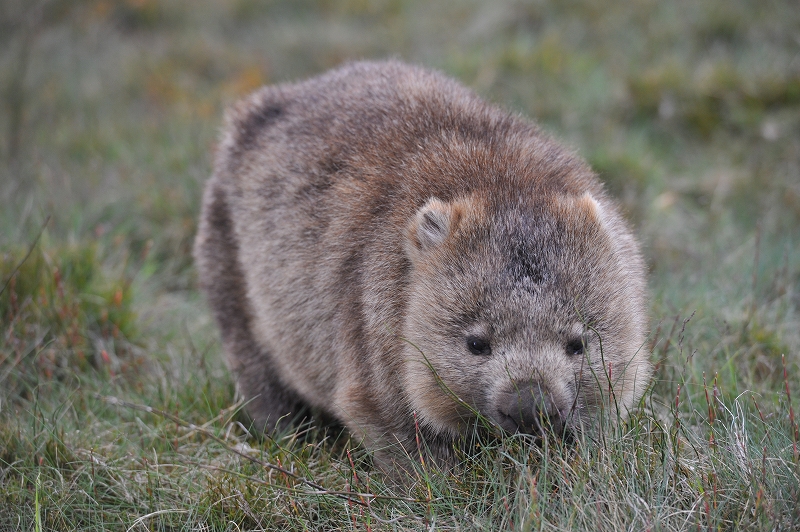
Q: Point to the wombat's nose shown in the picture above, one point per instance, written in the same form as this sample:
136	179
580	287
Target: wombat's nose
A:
530	409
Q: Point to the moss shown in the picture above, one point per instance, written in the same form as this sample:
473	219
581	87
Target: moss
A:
762	350
717	95
138	15
63	313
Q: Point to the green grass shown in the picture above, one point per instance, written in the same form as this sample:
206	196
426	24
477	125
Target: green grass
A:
116	409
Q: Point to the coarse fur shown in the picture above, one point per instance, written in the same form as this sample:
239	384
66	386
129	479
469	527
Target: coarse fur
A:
382	246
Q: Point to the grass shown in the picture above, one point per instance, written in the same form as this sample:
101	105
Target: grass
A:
116	409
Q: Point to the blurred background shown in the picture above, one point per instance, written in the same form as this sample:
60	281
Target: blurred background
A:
689	111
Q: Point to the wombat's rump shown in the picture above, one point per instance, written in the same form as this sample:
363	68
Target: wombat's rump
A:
379	242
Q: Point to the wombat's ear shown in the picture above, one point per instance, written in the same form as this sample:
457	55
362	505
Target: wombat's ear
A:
432	224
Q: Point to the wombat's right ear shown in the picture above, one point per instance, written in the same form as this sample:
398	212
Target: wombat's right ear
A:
431	226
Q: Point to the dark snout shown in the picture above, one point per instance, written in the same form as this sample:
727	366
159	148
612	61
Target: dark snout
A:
529	408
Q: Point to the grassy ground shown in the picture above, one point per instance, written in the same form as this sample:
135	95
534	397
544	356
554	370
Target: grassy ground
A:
116	410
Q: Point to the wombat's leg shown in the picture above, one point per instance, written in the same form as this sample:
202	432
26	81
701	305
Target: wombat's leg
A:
271	405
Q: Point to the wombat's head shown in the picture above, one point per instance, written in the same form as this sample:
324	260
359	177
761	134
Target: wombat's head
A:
530	313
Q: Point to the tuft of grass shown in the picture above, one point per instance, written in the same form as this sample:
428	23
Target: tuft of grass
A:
722	466
62	314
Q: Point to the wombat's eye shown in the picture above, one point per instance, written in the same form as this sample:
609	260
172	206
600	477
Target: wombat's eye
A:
575	346
478	346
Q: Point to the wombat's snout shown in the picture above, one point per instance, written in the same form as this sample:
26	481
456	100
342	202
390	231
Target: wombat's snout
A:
529	408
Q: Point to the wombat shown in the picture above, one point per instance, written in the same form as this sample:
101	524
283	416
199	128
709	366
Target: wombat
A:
380	245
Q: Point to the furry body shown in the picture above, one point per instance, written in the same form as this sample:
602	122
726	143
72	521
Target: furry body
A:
378	241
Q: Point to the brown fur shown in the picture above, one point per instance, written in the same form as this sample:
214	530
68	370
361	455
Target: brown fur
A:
378	242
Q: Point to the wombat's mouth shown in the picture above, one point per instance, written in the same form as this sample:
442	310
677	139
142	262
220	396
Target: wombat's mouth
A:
527	408
539	430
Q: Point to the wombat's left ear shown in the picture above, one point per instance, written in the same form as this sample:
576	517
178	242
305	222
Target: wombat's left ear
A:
431	226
